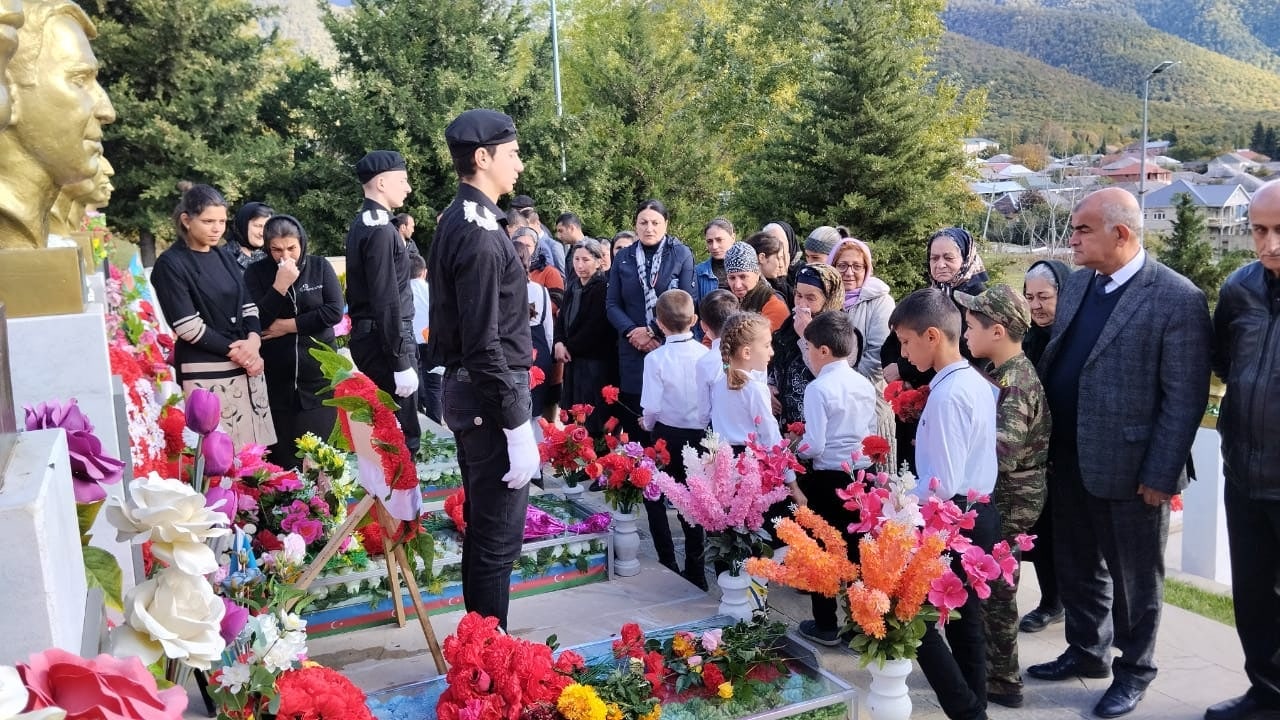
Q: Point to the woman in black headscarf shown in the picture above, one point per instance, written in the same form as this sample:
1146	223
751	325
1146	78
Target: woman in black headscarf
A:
245	245
953	265
299	301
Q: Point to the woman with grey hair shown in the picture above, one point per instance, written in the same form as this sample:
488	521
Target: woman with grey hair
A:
585	340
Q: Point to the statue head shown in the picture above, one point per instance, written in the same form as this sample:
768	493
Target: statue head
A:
58	107
68	211
10	21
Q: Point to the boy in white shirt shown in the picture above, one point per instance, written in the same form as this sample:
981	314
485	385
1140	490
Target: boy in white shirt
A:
714	310
430	379
956	445
839	411
669	411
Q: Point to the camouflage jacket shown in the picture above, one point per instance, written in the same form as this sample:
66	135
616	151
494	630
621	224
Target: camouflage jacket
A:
1022	442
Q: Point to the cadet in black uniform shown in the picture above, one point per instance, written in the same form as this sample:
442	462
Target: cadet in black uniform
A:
379	299
480	334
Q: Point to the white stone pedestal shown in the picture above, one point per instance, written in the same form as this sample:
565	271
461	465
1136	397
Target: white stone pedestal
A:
1204	521
42	584
59	357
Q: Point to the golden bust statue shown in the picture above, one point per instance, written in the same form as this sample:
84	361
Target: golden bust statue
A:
68	210
54	137
10	21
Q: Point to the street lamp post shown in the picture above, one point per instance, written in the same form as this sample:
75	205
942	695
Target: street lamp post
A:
555	68
1142	162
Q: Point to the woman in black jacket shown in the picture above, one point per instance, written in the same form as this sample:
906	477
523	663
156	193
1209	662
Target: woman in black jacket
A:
299	301
203	297
585	340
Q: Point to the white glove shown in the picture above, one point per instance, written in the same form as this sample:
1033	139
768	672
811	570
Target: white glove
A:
406	382
522	453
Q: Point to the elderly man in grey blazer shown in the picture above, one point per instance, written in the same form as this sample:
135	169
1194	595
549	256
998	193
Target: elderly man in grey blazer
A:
1126	373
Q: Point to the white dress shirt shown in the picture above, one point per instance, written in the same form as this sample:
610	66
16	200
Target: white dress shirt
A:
707	372
669	394
839	411
735	414
421	307
1125	273
956	442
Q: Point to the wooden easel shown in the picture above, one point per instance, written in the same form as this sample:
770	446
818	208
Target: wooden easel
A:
397	564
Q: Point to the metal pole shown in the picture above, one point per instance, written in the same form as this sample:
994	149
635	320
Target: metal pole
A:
555	69
1142	165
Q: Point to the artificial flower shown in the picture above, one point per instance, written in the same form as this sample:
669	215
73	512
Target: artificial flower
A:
655	713
174	518
320	692
14	697
725	690
294	547
947	593
203	410
91	467
580	702
234	677
1025	541
223	500
610	394
683	644
711	639
172	615
219	453
102	688
712	676
233	620
876	448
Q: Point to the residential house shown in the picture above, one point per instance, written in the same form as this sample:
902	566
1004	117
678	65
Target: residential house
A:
1154	147
1128	168
977	145
1225	209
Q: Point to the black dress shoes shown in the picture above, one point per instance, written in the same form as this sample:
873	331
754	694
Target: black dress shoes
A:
1067	666
1119	699
1241	708
1040	618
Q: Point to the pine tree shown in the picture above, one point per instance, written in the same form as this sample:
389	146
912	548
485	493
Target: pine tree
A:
1258	143
1270	143
874	144
186	78
1187	251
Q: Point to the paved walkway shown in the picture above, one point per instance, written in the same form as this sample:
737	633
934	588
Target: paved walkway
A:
1200	660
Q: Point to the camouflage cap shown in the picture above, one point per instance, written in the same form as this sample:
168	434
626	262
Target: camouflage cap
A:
1002	304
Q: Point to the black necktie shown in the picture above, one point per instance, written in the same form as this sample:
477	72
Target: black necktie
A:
1100	283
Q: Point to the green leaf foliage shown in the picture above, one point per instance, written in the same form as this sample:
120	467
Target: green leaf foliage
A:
1187	251
86	513
102	571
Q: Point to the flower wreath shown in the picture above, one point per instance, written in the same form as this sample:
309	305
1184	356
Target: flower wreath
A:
358	399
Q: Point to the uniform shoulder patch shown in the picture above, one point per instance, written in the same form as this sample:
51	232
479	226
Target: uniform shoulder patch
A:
374	218
477	215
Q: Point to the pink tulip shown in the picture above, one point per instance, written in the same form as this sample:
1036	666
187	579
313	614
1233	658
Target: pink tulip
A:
219	453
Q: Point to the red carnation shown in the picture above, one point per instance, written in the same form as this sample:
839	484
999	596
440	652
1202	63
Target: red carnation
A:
796	428
610	394
536	376
876	448
453	508
712	677
320	692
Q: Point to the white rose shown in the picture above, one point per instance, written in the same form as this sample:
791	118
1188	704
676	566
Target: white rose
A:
295	548
173	615
172	515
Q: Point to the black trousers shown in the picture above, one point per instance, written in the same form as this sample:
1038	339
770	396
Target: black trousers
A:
958	674
430	387
1110	561
695	540
1041	557
626	410
820	486
1253	531
292	422
494	513
370	359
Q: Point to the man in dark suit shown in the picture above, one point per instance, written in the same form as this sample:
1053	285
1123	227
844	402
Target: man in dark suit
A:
1246	358
1126	373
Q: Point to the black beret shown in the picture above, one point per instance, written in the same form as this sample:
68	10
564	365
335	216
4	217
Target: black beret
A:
476	128
521	202
378	162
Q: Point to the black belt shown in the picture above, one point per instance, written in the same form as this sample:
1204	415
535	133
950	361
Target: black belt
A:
461	375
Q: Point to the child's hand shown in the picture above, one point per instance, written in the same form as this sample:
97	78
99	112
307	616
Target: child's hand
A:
797	495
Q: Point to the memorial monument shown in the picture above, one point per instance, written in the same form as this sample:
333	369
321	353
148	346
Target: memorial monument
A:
56	110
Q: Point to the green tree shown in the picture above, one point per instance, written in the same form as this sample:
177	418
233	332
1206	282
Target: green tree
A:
1186	251
187	78
1258	143
874	142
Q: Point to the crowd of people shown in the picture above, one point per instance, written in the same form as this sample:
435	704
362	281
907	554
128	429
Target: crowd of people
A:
1026	401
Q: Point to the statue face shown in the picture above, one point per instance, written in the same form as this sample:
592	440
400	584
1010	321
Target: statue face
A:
10	21
96	191
60	117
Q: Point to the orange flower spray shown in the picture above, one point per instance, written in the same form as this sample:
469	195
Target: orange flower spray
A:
822	568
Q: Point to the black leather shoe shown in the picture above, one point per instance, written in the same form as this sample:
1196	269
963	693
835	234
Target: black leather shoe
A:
1040	618
1119	699
1009	700
1241	708
1069	665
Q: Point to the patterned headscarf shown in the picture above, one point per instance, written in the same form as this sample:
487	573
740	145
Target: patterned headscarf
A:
970	266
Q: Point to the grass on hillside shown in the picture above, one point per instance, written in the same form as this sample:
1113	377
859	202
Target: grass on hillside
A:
1199	601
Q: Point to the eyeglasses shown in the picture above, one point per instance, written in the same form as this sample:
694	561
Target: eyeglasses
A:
846	267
